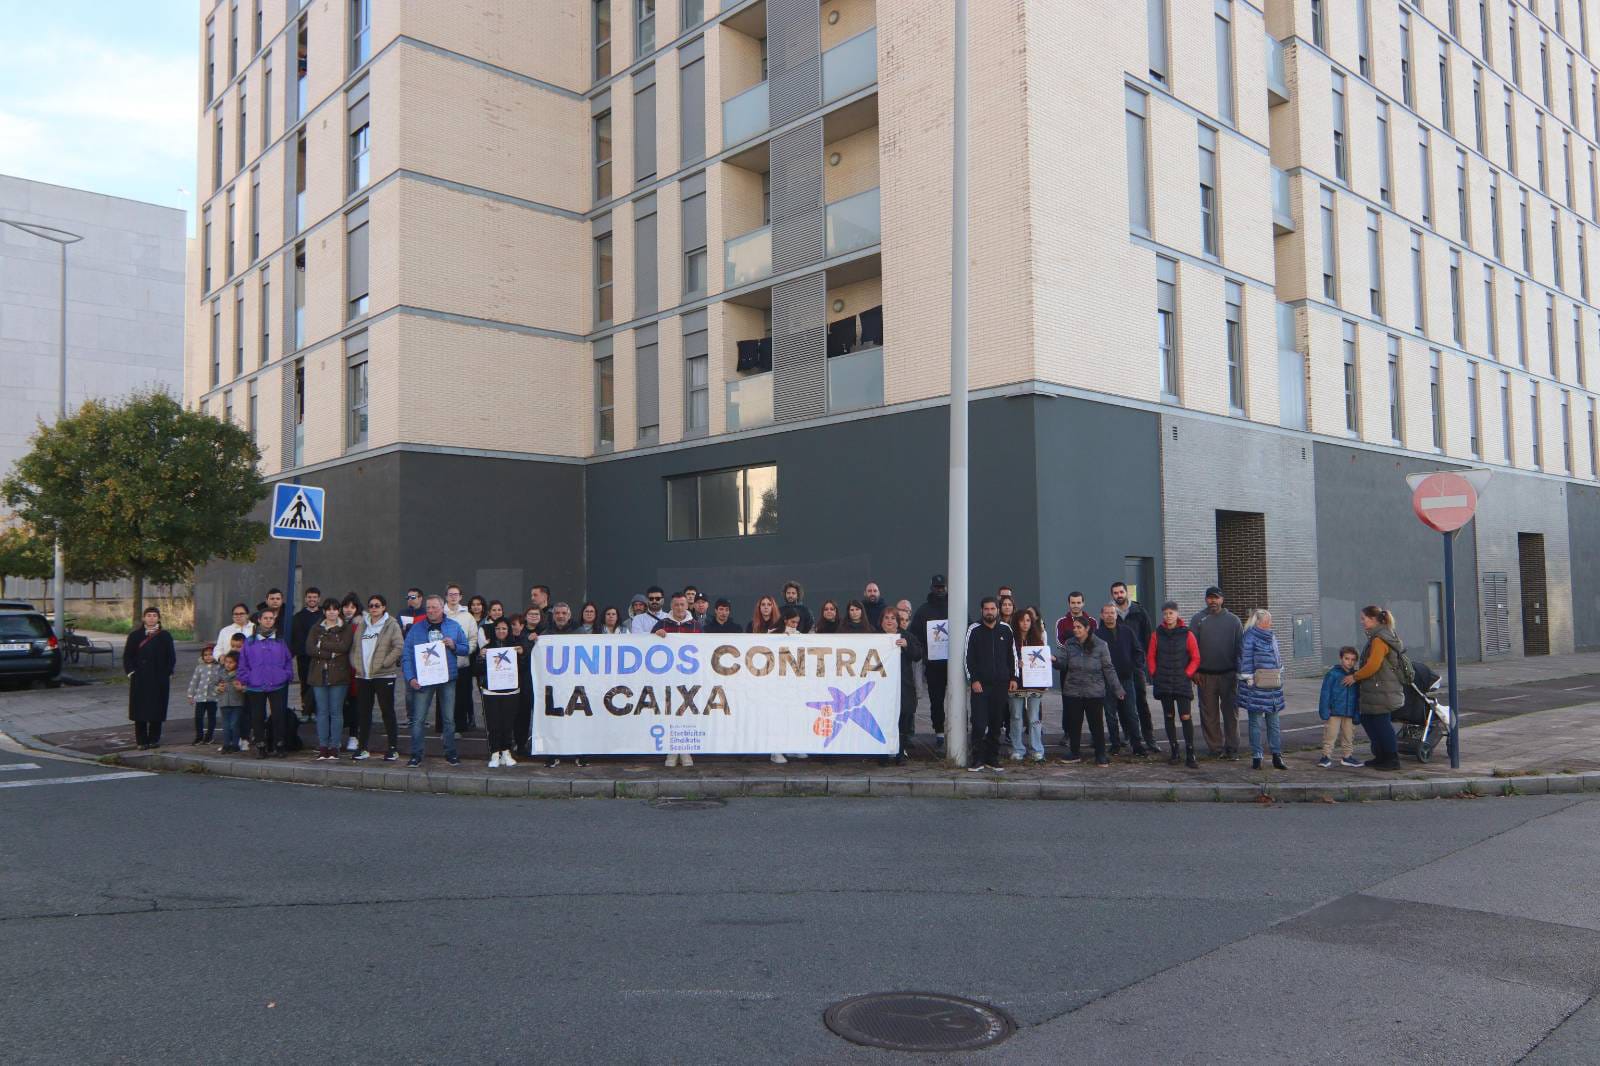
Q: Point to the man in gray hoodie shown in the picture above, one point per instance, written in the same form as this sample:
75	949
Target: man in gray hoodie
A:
1219	633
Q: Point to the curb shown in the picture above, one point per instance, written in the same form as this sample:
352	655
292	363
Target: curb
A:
458	783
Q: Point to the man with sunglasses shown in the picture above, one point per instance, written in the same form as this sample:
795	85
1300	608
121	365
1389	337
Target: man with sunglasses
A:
644	623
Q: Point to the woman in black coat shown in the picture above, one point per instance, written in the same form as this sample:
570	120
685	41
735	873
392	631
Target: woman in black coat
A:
149	659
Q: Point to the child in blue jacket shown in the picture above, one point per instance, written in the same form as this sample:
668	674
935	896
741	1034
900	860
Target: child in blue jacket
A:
1339	706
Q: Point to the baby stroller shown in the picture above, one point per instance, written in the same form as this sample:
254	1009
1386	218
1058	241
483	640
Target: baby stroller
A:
1424	722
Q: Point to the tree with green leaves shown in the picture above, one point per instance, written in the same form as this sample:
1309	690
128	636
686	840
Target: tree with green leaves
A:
142	489
24	554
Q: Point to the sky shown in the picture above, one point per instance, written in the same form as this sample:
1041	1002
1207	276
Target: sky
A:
101	95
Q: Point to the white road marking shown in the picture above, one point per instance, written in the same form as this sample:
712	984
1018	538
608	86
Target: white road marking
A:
82	779
4	767
1507	699
1578	688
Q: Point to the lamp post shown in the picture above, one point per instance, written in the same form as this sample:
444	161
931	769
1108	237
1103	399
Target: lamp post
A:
60	238
957	692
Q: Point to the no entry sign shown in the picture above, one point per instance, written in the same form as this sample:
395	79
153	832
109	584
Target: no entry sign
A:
1444	501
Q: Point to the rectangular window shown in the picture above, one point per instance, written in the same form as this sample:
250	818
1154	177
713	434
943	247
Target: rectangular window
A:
1385	158
299	413
1418	304
238	330
1352	406
255	31
1536	434
227	407
1224	41
216	342
233	39
696	375
1483	32
1491	327
1566	168
723	503
1566	431
1538	151
644	125
1208	190
1594	440
1463	227
357	253
1341	146
601	28
1396	427
1425	173
1478	122
1494	216
1167	325
1594	187
1515	44
1135	104
646	295
1374	264
605	397
358	113
1577	344
1572	88
647	385
360	36
1455	298
1319	25
602	157
230	246
255	214
265	313
302	69
1436	399
1446	106
1364	39
1527	245
205	250
1519	298
1557	267
1474	412
251	420
1544	66
645	21
355	348
211	61
298	161
1551	351
603	311
299	316
1507	431
1511	132
1235	340
1291	371
695	279
217	151
1583	27
1157	41
239	139
1330	248
1453	12
694	13
692	102
1406	93
266	101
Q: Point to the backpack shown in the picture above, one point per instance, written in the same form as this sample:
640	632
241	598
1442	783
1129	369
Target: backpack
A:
1408	672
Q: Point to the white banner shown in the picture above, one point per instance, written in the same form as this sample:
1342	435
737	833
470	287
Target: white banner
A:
1035	666
832	694
938	640
430	662
501	666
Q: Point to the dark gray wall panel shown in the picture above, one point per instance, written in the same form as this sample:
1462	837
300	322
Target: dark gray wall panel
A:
1583	531
799	348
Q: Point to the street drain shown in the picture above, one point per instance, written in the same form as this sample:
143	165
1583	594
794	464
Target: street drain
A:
918	1021
684	803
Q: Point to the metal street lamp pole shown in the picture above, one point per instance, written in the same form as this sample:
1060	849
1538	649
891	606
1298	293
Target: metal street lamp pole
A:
60	238
957	691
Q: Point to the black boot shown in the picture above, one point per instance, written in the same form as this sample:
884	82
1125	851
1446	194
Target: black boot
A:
1277	763
1255	764
1188	759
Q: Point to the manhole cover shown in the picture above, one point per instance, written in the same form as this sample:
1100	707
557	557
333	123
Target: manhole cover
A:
683	803
918	1021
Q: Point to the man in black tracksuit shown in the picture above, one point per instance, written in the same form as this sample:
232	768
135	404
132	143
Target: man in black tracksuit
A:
991	671
935	673
1136	618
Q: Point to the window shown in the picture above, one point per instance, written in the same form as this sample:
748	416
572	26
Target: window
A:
1551	351
251	406
1572	88
645	20
605	397
227	406
1555	247
360	42
602	39
1519	297
1395	425
1385	159
211	60
1463	229
1453	13
1583	265
1594	441
723	503
644	125
1374	264
266	101
1208	190
355	348
1135	103
1483	31
302	69
299	413
1436	399
1577	343
1167	325
216	342
358	112
1418	305
1455	297
602	279
233	39
1494	216
646	296
299	296
1235	339
1319	25
1425	173
1364	38
1224	36
692	102
205	250
1406	93
1594	187
602	157
216	151
695	280
255	214
1544	66
1446	108
265	312
1506	429
1583	28
1341	147
240	126
1515	44
230	247
647	385
1538	152
694	13
1291	371
1535	429
1352	406
1491	327
1566	431
1474	412
1330	248
298	161
696	375
1527	247
238	330
1511	133
255	31
1478	124
357	251
1157	41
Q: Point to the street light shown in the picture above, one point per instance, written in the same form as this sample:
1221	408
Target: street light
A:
956	694
60	238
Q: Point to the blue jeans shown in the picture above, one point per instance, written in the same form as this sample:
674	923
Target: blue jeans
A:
1124	713
1030	704
232	721
417	700
330	713
1380	731
1274	733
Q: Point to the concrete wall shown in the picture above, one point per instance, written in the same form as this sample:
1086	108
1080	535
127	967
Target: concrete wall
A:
1517	503
1583	525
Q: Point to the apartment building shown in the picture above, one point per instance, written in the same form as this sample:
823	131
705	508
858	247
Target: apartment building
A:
606	293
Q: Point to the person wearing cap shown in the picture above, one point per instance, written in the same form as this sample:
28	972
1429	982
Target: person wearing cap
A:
655	601
1173	658
721	619
1219	634
936	608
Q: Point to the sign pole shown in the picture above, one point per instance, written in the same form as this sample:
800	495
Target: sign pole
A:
294	558
1450	647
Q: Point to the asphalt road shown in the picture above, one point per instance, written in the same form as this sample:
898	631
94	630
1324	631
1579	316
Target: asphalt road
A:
165	919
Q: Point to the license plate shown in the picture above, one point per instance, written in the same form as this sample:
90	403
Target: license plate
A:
16	647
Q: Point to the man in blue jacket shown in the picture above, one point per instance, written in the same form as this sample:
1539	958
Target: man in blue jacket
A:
433	627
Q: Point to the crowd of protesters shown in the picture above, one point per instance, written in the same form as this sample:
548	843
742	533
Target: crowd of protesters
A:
350	655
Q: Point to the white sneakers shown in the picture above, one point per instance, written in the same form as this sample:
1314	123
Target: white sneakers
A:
352	745
506	759
779	759
681	759
494	761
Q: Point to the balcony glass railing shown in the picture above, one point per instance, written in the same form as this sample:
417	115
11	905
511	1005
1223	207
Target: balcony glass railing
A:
1282	217
747	258
1277	71
850	65
745	116
749	401
855	380
854	222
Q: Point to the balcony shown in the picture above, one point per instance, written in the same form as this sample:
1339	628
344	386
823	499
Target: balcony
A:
747	258
1277	72
855	380
850	66
1282	216
745	116
854	222
749	401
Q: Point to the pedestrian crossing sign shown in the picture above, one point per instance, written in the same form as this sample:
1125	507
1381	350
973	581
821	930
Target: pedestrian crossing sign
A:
296	512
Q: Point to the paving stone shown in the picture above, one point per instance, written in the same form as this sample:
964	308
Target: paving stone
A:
1107	791
1400	790
590	787
1195	793
764	786
716	787
969	788
508	786
372	778
1565	783
466	784
1591	782
1151	793
397	780
847	786
650	788
891	787
1011	789
1061	790
1532	786
550	787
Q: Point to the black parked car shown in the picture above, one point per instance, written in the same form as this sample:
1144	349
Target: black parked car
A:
28	649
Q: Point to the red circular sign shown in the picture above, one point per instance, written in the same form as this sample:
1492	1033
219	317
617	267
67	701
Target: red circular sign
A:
1444	501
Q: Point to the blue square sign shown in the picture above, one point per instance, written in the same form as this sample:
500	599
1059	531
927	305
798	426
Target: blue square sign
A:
296	512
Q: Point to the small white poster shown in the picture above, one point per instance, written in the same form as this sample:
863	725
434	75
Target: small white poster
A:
432	666
1035	666
502	664
938	641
